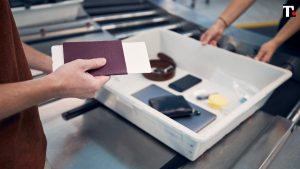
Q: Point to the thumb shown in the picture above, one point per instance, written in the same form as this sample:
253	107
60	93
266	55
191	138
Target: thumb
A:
92	63
202	37
206	38
260	55
214	43
267	57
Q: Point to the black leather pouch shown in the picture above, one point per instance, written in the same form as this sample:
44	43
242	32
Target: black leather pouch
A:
172	106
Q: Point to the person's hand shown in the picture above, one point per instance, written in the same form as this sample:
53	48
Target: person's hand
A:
213	34
72	79
266	51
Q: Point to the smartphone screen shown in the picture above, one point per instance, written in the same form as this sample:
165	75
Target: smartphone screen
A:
185	83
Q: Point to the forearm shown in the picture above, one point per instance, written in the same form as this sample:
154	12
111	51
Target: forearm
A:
70	80
235	9
289	29
16	97
37	60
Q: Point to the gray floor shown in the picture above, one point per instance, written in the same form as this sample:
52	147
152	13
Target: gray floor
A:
261	11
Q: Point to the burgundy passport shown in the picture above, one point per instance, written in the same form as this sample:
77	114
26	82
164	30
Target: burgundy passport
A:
111	50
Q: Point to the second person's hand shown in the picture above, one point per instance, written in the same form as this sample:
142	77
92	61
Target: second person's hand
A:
266	51
213	34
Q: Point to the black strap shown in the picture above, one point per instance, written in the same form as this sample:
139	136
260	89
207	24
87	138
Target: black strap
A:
176	162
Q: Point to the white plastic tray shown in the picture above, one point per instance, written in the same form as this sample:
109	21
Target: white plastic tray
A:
47	13
218	68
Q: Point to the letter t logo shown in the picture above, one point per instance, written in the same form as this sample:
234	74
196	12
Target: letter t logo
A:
287	10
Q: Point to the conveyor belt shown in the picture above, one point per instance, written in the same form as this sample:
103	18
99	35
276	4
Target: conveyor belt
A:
60	30
103	3
117	9
125	34
126	18
122	19
128	15
136	23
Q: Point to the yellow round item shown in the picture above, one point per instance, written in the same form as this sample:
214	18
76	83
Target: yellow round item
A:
217	101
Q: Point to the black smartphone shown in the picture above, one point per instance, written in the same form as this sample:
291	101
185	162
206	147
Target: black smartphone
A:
185	83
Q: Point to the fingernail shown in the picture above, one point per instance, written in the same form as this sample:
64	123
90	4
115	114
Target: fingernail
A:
102	60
